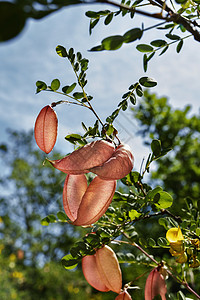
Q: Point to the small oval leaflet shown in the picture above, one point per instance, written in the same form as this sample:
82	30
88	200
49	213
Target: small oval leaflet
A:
132	35
112	42
55	84
147	82
69	262
69	88
165	200
144	48
158	43
61	51
156	147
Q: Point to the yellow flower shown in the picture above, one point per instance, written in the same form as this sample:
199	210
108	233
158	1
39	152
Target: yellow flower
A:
182	258
176	239
174	235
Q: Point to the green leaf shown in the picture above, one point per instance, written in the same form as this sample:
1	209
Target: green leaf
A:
163	222
61	216
75	138
92	14
179	46
109	129
45	221
156	147
78	95
139	91
52	218
69	262
112	42
12	20
143	242
132	35
97	48
165	200
151	242
61	51
164	50
162	242
144	48
133	99
147	82
55	84
41	86
108	19
69	88
151	194
93	23
158	43
131	178
145	62
173	37
133	214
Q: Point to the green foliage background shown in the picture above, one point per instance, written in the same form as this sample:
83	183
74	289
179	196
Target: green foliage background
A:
32	190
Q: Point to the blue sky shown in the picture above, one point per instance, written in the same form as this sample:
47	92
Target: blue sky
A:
31	57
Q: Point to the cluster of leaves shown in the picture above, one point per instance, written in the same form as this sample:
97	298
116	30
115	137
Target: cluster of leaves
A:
79	65
130	95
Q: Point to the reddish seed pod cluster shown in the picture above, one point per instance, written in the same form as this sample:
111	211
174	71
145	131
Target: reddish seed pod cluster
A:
87	157
45	130
99	157
84	204
102	270
155	285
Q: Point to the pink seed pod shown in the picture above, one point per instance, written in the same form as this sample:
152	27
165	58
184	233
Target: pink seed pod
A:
117	166
83	204
155	285
123	296
86	157
46	127
102	270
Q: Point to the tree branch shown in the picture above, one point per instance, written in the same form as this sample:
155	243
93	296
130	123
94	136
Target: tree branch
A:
171	15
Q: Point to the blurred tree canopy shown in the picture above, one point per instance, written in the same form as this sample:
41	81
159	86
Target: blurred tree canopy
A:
30	266
30	254
179	171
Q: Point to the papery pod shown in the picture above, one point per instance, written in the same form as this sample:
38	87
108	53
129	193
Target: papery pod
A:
74	189
46	127
117	166
91	273
108	266
102	270
123	296
83	204
86	157
155	285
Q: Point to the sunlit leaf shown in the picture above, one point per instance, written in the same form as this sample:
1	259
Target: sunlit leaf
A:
156	147
147	82
61	51
69	88
132	35
112	42
144	48
69	262
55	84
179	46
158	43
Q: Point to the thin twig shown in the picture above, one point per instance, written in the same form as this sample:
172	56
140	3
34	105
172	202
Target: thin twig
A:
158	264
171	15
